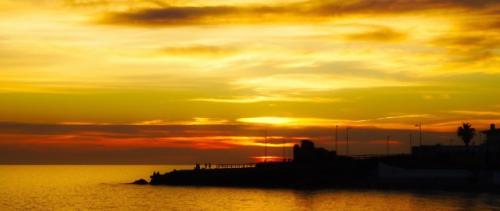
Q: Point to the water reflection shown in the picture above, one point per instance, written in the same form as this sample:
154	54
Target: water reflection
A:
101	187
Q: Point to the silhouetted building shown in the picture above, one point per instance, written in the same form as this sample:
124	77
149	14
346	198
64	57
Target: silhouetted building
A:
308	153
490	146
492	135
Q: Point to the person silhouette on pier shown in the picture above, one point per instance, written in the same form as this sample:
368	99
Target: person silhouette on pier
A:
197	167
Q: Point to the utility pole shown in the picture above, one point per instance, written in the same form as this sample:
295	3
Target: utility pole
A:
336	138
265	147
419	125
347	140
283	145
411	140
387	144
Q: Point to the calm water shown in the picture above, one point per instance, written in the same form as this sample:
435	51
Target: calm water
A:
101	187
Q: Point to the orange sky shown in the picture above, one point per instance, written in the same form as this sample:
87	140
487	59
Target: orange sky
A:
182	81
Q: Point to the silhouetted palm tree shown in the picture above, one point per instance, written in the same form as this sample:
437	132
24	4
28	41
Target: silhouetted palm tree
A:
466	132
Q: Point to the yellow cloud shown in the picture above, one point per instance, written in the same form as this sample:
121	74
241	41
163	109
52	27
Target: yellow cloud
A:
382	35
199	50
258	99
310	82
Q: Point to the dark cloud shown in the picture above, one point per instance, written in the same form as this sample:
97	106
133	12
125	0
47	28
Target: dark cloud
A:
135	131
467	40
470	48
180	15
55	143
396	6
172	15
304	11
111	3
490	24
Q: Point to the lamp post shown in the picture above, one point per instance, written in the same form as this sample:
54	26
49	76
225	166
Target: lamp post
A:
411	141
336	138
419	125
265	147
347	140
283	145
387	144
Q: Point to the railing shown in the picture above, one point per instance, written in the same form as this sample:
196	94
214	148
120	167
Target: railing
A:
235	165
374	156
253	165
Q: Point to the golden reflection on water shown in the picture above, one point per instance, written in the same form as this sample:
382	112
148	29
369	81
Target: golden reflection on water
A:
100	187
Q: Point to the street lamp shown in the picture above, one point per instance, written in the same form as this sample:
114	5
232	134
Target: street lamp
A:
419	125
347	140
336	138
387	144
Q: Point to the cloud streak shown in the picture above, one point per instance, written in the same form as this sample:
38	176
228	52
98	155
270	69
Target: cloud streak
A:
199	50
471	47
220	143
383	35
303	11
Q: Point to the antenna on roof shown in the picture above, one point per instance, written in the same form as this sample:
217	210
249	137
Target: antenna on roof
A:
347	140
336	138
387	144
419	125
411	140
283	145
265	147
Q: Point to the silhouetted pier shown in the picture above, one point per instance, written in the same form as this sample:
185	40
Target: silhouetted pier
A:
252	165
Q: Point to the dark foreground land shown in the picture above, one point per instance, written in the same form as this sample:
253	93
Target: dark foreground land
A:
269	175
428	167
343	172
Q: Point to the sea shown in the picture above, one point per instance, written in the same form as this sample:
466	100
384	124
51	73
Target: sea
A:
104	187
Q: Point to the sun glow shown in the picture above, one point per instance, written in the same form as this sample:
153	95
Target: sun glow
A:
260	159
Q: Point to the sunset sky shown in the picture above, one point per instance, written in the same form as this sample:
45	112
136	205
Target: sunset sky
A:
183	81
